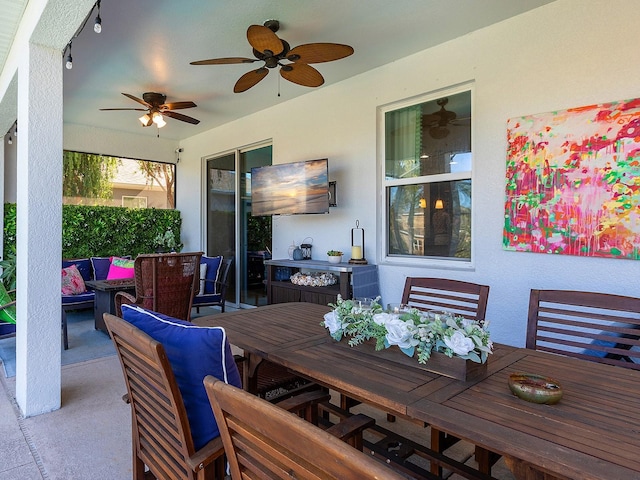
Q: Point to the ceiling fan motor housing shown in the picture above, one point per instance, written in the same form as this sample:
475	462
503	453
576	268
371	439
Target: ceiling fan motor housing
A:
154	98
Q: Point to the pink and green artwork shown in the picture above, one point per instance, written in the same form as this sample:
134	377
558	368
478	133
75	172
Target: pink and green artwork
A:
573	182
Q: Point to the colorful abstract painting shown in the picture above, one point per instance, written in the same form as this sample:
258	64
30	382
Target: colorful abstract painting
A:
573	182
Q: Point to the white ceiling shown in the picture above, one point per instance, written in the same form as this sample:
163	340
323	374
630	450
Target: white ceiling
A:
146	45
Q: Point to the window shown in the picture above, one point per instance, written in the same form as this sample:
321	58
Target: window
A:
134	202
427	178
93	179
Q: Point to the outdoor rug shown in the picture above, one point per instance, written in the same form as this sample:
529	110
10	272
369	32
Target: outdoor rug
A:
85	343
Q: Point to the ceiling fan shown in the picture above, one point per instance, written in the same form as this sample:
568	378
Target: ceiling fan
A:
439	120
157	109
272	50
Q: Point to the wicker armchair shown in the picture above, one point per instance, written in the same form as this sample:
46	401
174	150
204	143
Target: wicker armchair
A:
165	283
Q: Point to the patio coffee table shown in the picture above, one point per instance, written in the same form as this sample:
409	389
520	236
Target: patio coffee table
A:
105	291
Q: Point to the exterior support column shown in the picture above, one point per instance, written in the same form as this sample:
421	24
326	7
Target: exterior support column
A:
39	230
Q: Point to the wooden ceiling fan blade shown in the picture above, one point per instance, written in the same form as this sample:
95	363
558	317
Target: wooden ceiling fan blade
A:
430	118
181	117
319	52
262	39
302	74
177	105
139	100
136	109
224	61
249	79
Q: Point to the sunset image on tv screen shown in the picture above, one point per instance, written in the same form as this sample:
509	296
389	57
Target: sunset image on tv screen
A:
290	188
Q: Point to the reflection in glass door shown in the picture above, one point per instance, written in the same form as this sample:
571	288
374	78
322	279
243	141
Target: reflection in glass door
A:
221	209
255	244
231	229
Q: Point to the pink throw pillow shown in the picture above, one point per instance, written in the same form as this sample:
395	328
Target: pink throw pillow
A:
72	281
121	268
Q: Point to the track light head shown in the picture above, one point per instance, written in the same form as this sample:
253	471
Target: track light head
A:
97	26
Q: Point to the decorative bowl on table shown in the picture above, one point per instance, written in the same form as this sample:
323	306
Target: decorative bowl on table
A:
535	388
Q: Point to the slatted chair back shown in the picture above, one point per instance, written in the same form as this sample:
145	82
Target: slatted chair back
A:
165	283
217	299
262	440
161	435
599	327
466	299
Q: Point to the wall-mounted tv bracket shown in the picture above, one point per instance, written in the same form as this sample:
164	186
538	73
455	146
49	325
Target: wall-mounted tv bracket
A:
333	202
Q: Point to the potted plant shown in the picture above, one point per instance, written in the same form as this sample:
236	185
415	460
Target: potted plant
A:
167	242
334	256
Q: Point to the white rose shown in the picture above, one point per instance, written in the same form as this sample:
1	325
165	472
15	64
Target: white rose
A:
400	333
332	322
382	318
459	343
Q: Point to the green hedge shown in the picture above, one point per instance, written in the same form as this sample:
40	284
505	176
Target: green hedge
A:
101	231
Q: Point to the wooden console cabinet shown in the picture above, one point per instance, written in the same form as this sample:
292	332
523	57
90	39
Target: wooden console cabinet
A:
281	290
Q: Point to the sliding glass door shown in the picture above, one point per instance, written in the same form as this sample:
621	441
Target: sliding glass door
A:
231	229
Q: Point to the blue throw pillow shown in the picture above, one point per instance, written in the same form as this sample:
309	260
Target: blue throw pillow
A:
100	267
213	271
193	352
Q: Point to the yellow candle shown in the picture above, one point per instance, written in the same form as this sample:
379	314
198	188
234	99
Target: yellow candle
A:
356	252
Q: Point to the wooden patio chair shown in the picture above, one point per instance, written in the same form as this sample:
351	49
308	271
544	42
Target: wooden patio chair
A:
468	300
161	435
264	441
218	288
165	283
598	327
462	298
162	438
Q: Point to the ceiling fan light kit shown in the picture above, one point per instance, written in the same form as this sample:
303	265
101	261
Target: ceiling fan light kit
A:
272	50
157	109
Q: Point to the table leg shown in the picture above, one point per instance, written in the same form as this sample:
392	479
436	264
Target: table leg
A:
526	471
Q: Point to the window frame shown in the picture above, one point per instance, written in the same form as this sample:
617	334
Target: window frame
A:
383	223
126	198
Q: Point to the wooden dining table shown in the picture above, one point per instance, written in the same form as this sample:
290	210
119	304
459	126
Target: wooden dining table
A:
592	433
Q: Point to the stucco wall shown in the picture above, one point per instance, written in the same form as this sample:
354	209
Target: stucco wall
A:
567	54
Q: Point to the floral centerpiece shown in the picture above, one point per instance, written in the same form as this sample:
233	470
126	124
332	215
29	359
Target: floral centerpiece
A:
411	331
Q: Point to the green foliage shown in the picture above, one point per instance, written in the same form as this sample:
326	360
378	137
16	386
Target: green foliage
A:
102	231
8	265
9	235
88	175
258	233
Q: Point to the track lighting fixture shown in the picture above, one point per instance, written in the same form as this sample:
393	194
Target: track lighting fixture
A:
69	64
10	141
97	26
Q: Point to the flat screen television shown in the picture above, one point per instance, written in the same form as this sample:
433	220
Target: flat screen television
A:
290	188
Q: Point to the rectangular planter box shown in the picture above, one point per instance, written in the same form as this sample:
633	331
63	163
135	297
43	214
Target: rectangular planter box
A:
439	363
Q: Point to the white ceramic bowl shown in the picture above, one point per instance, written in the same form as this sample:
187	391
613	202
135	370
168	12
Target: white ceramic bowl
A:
334	259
